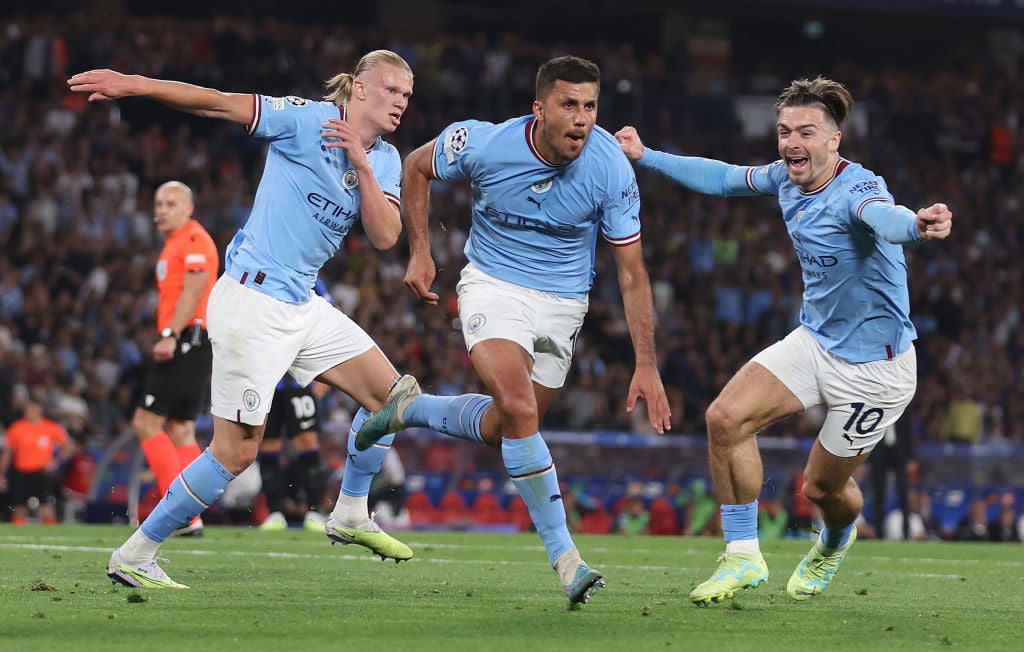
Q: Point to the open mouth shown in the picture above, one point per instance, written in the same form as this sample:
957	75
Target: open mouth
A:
796	163
396	118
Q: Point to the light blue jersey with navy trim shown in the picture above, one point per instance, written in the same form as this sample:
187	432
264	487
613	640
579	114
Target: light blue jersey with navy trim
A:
856	301
536	224
306	201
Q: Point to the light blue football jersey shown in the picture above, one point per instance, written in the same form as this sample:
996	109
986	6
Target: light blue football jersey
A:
856	302
306	201
536	224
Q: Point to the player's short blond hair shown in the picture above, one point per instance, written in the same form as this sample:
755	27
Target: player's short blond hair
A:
339	87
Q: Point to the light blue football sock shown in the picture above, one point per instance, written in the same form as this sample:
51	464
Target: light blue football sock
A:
361	466
455	416
196	488
833	539
529	464
739	522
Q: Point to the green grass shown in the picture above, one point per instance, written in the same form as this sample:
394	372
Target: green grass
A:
292	591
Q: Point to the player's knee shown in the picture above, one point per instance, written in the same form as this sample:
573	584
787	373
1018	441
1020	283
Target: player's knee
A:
518	414
819	492
721	420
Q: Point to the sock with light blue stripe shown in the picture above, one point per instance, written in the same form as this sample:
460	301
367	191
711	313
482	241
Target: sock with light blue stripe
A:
455	416
739	522
833	539
529	464
361	466
196	488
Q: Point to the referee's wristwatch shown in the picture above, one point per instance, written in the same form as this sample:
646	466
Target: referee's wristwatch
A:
167	332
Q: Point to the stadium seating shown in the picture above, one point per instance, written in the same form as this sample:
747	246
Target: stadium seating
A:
664	518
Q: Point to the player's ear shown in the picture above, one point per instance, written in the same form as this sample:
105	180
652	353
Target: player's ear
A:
538	110
837	138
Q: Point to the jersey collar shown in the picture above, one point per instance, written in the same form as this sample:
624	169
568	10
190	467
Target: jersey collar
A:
840	166
531	128
343	110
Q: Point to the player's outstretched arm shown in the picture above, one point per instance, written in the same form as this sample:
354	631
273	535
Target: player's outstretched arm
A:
112	85
935	222
417	172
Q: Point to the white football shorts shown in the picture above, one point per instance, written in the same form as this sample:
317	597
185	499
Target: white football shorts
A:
544	324
863	399
257	338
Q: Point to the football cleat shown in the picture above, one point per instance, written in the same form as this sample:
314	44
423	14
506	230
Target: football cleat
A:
388	419
147	575
735	571
370	536
584	585
274	522
314	522
817	569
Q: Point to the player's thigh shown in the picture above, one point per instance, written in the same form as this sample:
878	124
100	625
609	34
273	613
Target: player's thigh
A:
863	400
775	383
340	353
504	367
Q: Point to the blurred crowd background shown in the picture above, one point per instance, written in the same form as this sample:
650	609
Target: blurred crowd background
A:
937	115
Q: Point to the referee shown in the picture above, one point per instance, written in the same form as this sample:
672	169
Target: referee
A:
179	380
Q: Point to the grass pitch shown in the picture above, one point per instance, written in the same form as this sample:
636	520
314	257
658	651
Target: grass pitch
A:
291	590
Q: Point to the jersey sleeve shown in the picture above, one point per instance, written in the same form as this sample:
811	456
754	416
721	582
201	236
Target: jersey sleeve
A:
766	179
200	253
389	176
456	149
703	175
871	203
620	212
279	118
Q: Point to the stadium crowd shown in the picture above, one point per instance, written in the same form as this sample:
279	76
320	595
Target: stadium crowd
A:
77	297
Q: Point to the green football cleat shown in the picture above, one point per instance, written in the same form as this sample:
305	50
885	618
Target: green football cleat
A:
314	522
276	522
584	585
372	537
817	569
735	571
388	419
147	575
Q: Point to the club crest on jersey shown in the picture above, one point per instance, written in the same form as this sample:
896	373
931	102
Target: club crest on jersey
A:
250	399
350	179
475	323
161	269
454	142
543	186
295	101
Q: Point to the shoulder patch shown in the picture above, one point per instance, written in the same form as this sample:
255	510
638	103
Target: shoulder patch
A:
295	101
454	142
